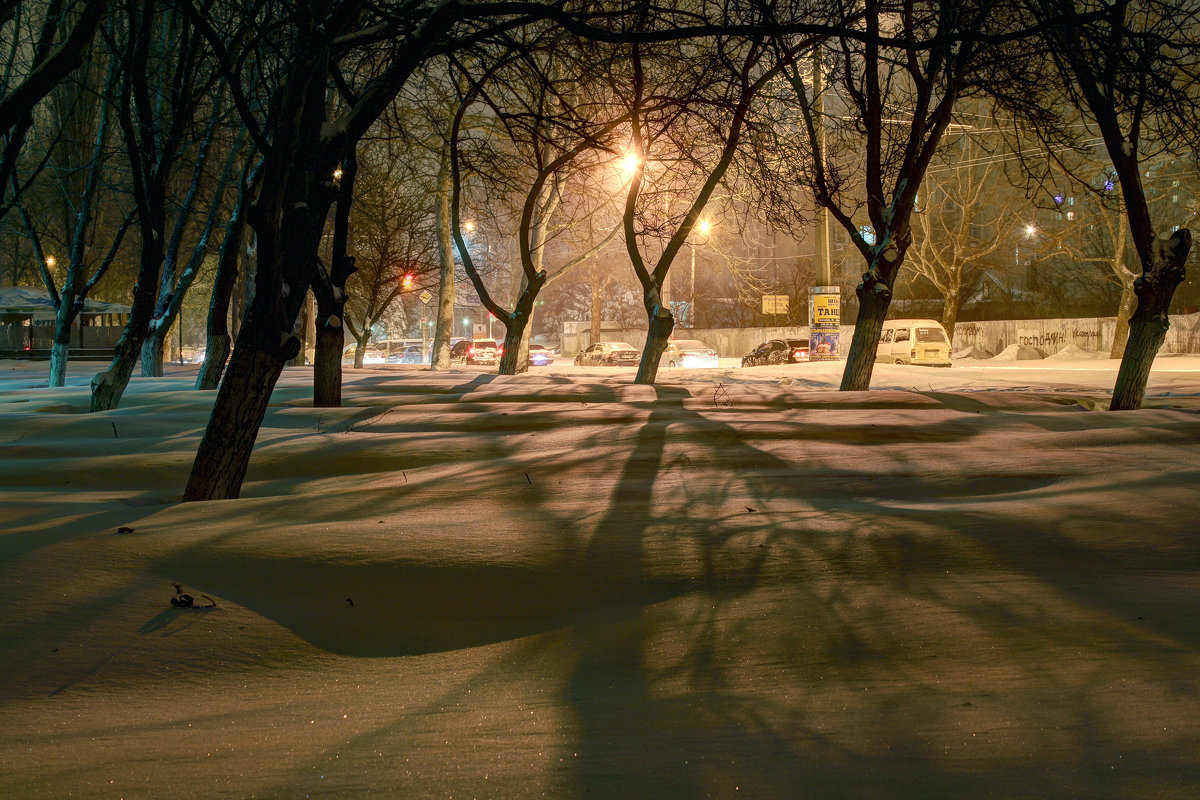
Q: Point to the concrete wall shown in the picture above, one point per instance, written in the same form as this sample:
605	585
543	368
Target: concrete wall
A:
1052	335
1048	335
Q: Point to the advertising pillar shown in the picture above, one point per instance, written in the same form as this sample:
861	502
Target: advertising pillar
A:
824	322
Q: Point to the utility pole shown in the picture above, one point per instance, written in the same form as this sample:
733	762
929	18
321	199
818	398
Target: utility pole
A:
824	299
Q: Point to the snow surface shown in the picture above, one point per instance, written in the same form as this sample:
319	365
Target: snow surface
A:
967	583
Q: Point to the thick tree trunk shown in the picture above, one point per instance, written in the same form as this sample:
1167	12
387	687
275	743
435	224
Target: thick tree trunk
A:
659	333
63	319
950	313
58	363
1149	323
152	352
216	353
1124	312
108	386
241	405
327	357
874	298
510	361
519	325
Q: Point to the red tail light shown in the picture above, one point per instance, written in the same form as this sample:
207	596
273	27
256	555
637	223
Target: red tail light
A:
471	352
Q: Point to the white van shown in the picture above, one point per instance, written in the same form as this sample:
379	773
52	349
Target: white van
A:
913	341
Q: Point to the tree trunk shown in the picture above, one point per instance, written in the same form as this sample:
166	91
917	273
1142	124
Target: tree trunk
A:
241	405
519	325
217	344
1121	330
950	310
216	353
659	333
444	329
64	317
108	386
874	298
152	351
58	363
1149	323
329	335
327	357
514	335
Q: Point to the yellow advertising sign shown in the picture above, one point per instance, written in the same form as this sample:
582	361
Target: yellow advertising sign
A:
827	309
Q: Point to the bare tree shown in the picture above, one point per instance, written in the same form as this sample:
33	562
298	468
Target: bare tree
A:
967	214
551	135
394	252
301	147
899	74
162	56
1133	69
80	162
710	106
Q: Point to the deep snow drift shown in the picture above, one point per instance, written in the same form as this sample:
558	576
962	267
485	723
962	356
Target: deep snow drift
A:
967	583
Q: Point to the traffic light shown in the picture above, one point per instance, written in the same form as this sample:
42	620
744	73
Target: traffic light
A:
407	280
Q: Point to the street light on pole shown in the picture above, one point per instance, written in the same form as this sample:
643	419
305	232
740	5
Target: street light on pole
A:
703	227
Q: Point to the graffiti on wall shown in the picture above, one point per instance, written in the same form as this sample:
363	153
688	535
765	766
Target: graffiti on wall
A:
968	331
1051	340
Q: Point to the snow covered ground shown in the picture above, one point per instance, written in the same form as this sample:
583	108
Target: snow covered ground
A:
968	583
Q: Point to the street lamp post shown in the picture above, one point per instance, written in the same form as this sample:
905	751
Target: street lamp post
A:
704	227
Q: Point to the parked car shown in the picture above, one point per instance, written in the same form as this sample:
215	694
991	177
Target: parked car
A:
913	341
410	355
777	351
688	353
477	351
539	356
371	355
608	354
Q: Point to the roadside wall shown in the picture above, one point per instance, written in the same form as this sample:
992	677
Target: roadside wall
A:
1048	335
1052	335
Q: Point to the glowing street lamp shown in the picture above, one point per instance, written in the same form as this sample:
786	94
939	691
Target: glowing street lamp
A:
704	228
51	261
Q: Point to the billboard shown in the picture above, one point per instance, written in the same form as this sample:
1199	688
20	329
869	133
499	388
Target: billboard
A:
824	322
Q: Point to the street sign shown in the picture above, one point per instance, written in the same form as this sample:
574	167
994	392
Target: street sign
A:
425	296
775	304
